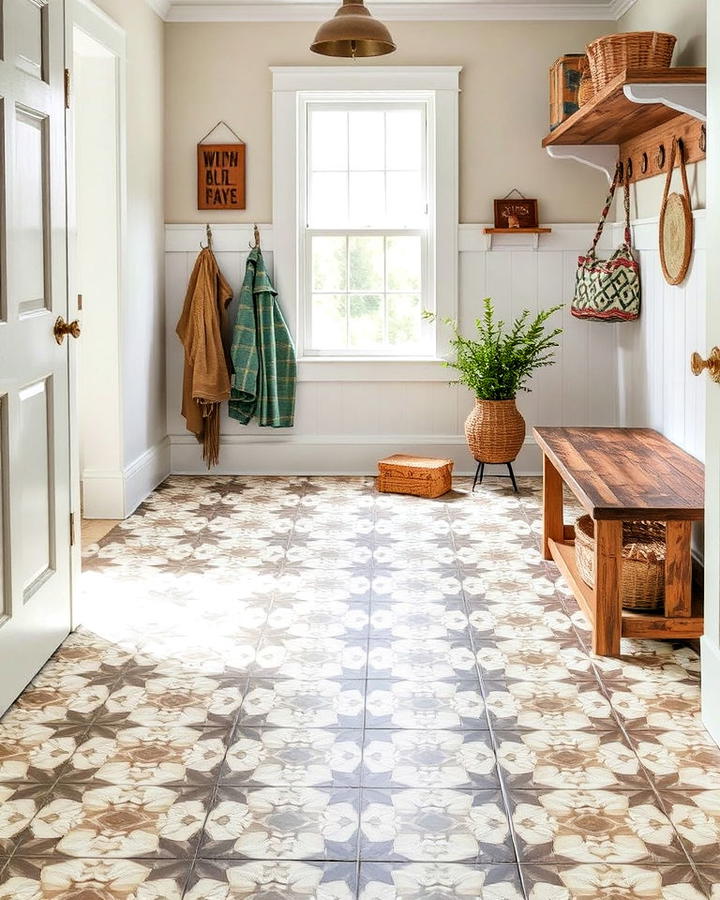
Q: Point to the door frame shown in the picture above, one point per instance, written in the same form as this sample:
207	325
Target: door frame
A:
101	28
710	642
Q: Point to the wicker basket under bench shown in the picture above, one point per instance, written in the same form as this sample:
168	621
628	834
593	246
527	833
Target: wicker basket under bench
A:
623	475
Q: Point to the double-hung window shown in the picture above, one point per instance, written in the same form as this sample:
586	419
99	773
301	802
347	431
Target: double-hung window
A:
367	242
365	219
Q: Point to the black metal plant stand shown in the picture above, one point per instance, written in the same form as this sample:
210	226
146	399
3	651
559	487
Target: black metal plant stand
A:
480	474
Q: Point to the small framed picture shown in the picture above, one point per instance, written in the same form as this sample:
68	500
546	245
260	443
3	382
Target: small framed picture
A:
516	212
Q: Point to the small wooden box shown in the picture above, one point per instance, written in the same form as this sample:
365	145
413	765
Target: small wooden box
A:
565	76
416	475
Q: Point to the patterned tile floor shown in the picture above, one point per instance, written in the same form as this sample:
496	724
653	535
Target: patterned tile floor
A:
298	688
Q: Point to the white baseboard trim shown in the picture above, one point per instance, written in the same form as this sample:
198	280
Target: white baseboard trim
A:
143	475
710	678
103	494
330	454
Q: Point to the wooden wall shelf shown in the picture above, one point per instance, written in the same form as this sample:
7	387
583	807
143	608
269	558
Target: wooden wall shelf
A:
635	115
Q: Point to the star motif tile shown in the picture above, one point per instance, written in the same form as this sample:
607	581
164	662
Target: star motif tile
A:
271	879
293	757
593	826
418	881
434	825
429	758
282	823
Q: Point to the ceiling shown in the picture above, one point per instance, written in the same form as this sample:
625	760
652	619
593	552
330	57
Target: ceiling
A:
392	10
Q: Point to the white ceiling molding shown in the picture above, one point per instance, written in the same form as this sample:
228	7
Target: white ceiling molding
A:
161	7
393	10
620	7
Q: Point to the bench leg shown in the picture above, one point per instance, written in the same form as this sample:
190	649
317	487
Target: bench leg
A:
608	570
678	570
553	527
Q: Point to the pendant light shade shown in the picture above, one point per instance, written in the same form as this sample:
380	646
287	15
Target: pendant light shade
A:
352	33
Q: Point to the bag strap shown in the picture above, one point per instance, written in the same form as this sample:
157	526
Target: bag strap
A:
620	169
679	148
626	204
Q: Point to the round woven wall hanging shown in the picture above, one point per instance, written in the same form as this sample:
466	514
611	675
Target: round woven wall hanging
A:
676	224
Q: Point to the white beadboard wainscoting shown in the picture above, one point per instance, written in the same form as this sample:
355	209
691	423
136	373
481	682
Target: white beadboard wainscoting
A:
344	426
656	387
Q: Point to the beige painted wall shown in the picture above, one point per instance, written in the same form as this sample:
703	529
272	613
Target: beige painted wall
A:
221	71
687	20
683	18
142	316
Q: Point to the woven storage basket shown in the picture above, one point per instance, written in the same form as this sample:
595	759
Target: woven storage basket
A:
612	54
643	570
586	91
416	475
495	431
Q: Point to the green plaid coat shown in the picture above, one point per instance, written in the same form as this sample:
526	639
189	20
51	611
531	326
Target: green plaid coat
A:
262	354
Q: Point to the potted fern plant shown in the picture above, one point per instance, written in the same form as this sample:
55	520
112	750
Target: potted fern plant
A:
496	367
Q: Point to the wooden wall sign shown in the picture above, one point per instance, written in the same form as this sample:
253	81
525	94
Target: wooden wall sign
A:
221	176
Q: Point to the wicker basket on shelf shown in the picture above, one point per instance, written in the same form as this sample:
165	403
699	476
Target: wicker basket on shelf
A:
643	570
612	54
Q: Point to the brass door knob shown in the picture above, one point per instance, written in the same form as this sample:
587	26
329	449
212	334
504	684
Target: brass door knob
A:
712	364
62	328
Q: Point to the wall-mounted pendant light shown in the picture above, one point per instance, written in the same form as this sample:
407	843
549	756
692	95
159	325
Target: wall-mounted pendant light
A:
352	33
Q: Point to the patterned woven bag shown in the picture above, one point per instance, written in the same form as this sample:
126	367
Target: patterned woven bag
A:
608	290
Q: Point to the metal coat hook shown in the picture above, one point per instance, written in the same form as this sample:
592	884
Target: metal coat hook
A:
256	235
209	238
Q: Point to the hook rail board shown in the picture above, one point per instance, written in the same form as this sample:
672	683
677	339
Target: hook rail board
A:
650	152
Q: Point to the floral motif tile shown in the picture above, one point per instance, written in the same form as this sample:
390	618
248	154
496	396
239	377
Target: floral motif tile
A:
271	880
562	759
429	758
549	705
424	704
678	759
419	621
529	659
303	704
669	706
324	584
181	698
434	825
18	805
696	816
311	657
416	585
519	621
710	880
305	619
293	757
31	752
650	664
114	879
593	826
148	755
59	700
413	554
419	660
282	823
590	881
116	822
420	881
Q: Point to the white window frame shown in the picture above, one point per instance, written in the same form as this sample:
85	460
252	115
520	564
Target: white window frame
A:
293	88
306	231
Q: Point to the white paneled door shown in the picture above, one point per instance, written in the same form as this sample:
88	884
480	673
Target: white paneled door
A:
35	570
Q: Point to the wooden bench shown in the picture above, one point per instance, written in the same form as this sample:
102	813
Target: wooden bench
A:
620	475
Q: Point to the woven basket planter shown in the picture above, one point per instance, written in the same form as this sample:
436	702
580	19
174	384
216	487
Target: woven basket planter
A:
611	55
643	570
495	431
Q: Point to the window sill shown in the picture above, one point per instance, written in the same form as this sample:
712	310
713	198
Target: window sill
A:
333	368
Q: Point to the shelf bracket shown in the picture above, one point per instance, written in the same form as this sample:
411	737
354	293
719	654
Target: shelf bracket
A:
599	156
529	242
685	98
